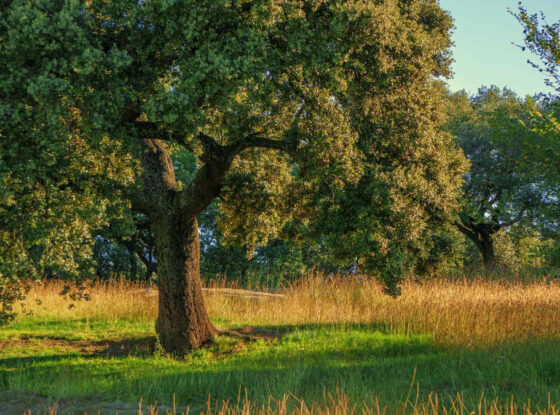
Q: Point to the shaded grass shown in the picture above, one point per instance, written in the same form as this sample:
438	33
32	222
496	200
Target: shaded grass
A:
365	363
74	329
323	339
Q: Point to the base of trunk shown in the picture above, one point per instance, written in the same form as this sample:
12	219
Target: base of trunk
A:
183	323
178	340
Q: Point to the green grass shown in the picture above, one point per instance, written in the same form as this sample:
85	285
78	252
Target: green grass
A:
105	362
76	329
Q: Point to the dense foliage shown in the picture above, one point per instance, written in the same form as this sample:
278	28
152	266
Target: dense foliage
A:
291	135
314	120
504	187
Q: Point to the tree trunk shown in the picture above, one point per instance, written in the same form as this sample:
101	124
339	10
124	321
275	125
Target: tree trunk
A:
486	247
183	322
481	235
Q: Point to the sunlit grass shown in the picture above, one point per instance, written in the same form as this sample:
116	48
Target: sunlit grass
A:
467	313
326	346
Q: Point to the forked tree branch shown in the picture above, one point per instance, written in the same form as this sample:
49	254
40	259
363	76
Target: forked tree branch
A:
217	159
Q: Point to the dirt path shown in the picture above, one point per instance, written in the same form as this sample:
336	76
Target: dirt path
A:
229	292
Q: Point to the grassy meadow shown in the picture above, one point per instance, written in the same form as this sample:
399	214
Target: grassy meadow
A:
323	346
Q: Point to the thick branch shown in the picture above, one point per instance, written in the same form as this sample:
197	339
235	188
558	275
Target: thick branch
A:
217	160
469	224
150	130
211	148
470	233
209	179
138	201
263	142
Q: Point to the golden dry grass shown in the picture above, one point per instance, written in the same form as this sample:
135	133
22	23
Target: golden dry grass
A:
465	313
339	404
113	300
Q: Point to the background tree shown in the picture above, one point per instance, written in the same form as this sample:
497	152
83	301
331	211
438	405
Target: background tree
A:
279	102
125	246
395	220
543	40
502	188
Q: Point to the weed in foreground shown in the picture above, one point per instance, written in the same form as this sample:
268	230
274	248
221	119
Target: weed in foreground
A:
339	404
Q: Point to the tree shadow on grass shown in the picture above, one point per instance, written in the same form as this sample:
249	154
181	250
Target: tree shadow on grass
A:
384	367
145	346
286	363
142	346
65	349
277	332
362	360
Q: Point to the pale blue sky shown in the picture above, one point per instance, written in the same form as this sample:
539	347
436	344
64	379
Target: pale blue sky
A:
483	52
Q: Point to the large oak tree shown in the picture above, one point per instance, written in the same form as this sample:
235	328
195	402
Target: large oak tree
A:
284	105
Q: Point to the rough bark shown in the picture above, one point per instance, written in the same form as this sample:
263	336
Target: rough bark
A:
183	321
486	248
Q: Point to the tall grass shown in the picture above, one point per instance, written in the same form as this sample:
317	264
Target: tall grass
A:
107	300
467	313
339	404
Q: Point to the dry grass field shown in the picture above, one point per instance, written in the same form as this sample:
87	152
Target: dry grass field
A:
468	313
322	346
